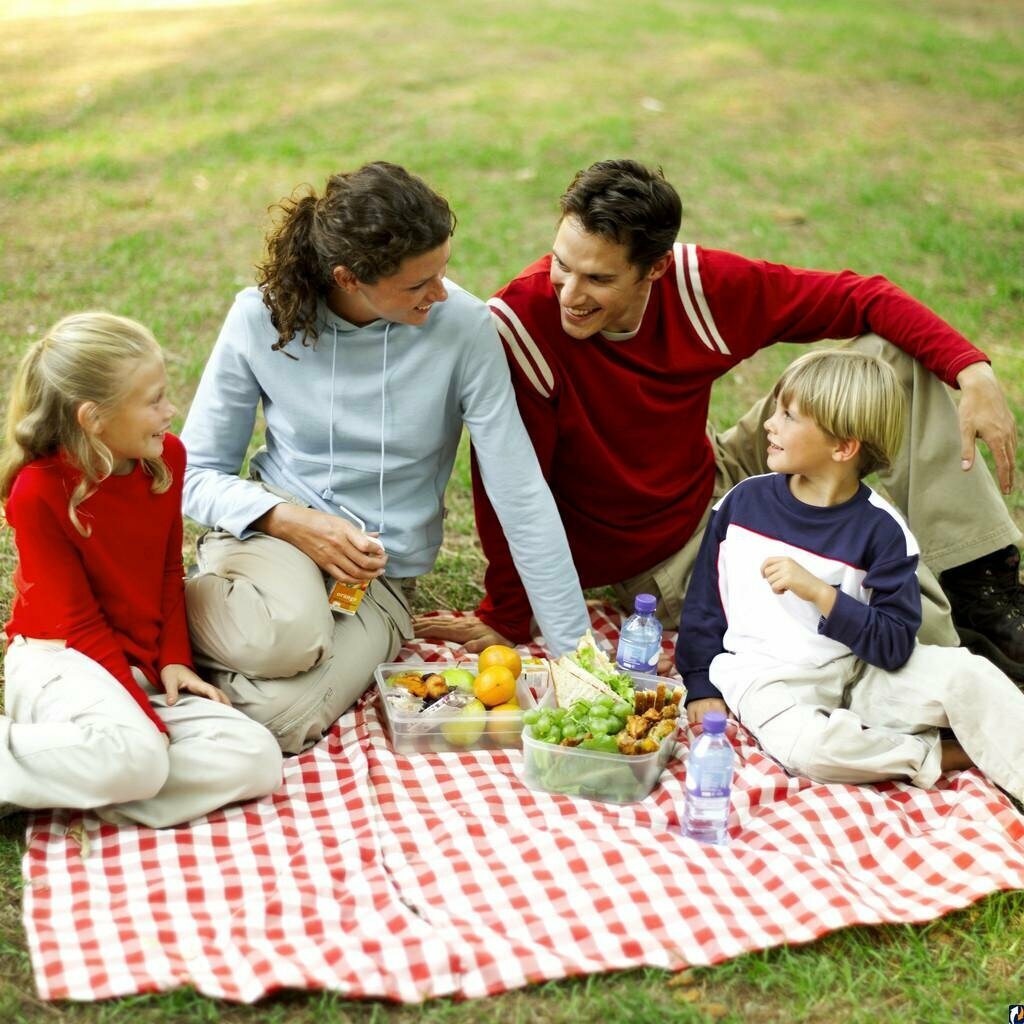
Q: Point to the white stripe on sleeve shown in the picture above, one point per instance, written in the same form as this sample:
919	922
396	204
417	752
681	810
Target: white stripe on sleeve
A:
688	269
523	348
698	291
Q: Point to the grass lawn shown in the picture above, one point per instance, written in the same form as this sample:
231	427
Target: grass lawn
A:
141	144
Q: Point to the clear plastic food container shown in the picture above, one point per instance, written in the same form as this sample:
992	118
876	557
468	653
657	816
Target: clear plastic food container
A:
418	732
613	778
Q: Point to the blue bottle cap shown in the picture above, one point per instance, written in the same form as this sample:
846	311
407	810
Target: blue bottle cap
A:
714	722
644	604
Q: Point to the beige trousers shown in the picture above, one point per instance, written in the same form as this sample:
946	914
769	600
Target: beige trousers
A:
955	516
74	737
264	633
851	722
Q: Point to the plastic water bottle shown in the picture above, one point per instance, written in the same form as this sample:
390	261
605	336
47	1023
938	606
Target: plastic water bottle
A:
709	782
640	638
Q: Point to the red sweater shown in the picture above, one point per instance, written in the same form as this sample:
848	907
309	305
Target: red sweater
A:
117	595
619	426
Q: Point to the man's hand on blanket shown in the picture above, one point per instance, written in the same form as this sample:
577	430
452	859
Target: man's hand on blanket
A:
983	413
467	630
180	677
696	710
339	547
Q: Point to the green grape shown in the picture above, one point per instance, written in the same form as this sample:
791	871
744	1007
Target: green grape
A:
616	725
531	716
599	727
606	700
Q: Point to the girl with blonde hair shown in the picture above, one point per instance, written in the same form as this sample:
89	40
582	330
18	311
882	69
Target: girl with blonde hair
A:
104	710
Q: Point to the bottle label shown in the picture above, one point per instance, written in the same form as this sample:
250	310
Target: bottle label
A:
635	665
346	597
714	782
713	792
636	658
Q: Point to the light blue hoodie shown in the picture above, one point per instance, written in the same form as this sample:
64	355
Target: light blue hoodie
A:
370	418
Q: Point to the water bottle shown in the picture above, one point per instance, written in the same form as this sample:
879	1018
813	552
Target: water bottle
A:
708	782
640	638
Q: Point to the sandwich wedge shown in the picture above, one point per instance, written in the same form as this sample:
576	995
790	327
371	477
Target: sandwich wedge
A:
587	674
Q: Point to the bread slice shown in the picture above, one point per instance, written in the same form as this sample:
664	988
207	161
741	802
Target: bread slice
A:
573	683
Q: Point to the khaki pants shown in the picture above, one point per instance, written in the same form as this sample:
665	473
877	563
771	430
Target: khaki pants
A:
955	516
74	737
851	722
264	633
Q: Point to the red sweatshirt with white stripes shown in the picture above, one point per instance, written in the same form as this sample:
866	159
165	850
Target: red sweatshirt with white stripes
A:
619	426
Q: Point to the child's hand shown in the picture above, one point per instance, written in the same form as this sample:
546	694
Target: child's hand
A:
784	574
696	710
180	677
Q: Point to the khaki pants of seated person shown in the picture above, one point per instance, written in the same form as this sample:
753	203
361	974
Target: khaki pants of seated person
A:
852	722
74	737
955	516
263	631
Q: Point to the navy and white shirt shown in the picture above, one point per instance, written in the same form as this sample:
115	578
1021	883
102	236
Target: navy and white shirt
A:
862	547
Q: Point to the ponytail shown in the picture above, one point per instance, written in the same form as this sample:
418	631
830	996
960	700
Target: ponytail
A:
291	278
368	221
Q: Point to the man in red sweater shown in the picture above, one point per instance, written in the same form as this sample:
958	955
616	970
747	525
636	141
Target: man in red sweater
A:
614	340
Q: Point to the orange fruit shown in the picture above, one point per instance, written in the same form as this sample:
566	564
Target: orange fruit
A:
494	685
498	725
499	654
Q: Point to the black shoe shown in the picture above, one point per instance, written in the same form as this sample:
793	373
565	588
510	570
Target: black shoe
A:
988	608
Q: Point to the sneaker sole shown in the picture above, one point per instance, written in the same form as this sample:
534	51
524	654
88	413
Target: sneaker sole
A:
978	643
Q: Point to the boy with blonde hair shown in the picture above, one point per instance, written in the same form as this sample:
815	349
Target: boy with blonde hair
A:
804	604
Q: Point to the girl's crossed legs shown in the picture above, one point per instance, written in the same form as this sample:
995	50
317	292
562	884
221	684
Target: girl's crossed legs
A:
74	737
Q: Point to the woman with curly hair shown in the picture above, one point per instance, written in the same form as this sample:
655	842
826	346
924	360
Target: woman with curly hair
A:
367	362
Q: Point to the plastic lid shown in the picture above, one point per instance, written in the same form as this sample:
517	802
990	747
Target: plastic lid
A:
644	604
714	722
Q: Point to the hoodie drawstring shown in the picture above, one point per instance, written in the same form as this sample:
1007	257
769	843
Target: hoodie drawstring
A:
383	393
328	493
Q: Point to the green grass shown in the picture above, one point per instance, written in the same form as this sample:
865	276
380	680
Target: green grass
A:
139	151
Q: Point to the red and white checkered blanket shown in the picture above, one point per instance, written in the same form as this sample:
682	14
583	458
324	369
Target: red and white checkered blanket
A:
405	878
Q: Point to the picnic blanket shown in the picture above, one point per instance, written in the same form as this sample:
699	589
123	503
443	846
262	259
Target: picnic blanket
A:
406	878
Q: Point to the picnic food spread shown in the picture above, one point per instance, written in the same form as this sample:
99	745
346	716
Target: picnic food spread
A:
587	728
459	707
609	724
